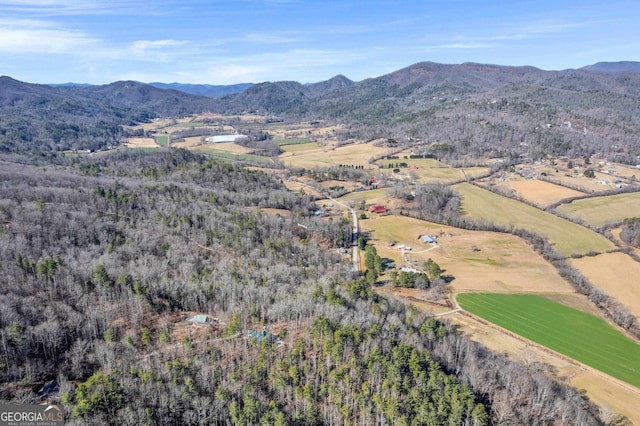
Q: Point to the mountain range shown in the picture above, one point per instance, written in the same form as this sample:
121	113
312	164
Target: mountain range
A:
468	109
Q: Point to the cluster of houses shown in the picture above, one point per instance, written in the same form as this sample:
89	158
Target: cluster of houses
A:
253	335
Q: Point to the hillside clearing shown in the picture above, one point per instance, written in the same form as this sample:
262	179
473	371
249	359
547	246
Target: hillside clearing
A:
566	237
599	211
539	192
141	143
616	274
478	260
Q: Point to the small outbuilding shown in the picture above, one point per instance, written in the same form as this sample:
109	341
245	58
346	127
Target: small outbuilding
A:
202	320
260	336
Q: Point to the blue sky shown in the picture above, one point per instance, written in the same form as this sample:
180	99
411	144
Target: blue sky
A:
227	42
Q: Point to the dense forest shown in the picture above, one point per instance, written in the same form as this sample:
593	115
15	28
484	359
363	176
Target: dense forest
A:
102	259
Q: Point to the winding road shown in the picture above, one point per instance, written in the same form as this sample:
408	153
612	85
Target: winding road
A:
355	231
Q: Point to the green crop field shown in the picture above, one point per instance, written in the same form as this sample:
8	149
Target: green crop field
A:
566	237
578	335
284	142
229	156
308	146
162	140
598	211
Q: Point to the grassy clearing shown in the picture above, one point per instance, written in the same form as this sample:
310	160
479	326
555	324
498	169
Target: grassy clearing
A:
141	143
163	140
300	147
599	211
428	170
312	155
617	274
225	155
567	237
583	337
190	124
478	260
291	141
539	192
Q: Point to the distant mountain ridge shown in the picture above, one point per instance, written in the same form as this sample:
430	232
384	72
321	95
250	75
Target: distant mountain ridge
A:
614	67
209	90
469	108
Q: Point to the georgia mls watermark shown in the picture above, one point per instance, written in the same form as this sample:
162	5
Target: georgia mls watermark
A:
31	415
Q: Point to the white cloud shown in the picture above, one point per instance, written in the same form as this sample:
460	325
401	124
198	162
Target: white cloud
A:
306	65
79	7
156	50
32	36
263	38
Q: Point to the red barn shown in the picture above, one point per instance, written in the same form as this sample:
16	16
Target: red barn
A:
377	209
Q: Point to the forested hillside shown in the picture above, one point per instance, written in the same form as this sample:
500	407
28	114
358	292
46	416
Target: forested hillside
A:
521	113
42	119
103	258
451	111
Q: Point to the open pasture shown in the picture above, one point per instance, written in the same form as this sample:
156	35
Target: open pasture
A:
538	192
291	141
373	196
599	211
357	154
141	143
572	180
567	238
427	170
230	156
617	274
230	147
301	147
163	140
478	260
188	143
578	335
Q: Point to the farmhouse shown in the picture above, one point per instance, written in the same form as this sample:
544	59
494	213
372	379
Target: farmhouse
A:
225	138
428	239
377	209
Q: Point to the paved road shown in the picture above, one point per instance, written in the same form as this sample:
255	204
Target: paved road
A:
355	233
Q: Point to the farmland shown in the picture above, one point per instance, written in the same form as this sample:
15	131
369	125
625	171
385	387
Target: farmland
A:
538	192
357	154
567	237
163	141
141	143
583	337
617	274
478	260
599	211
